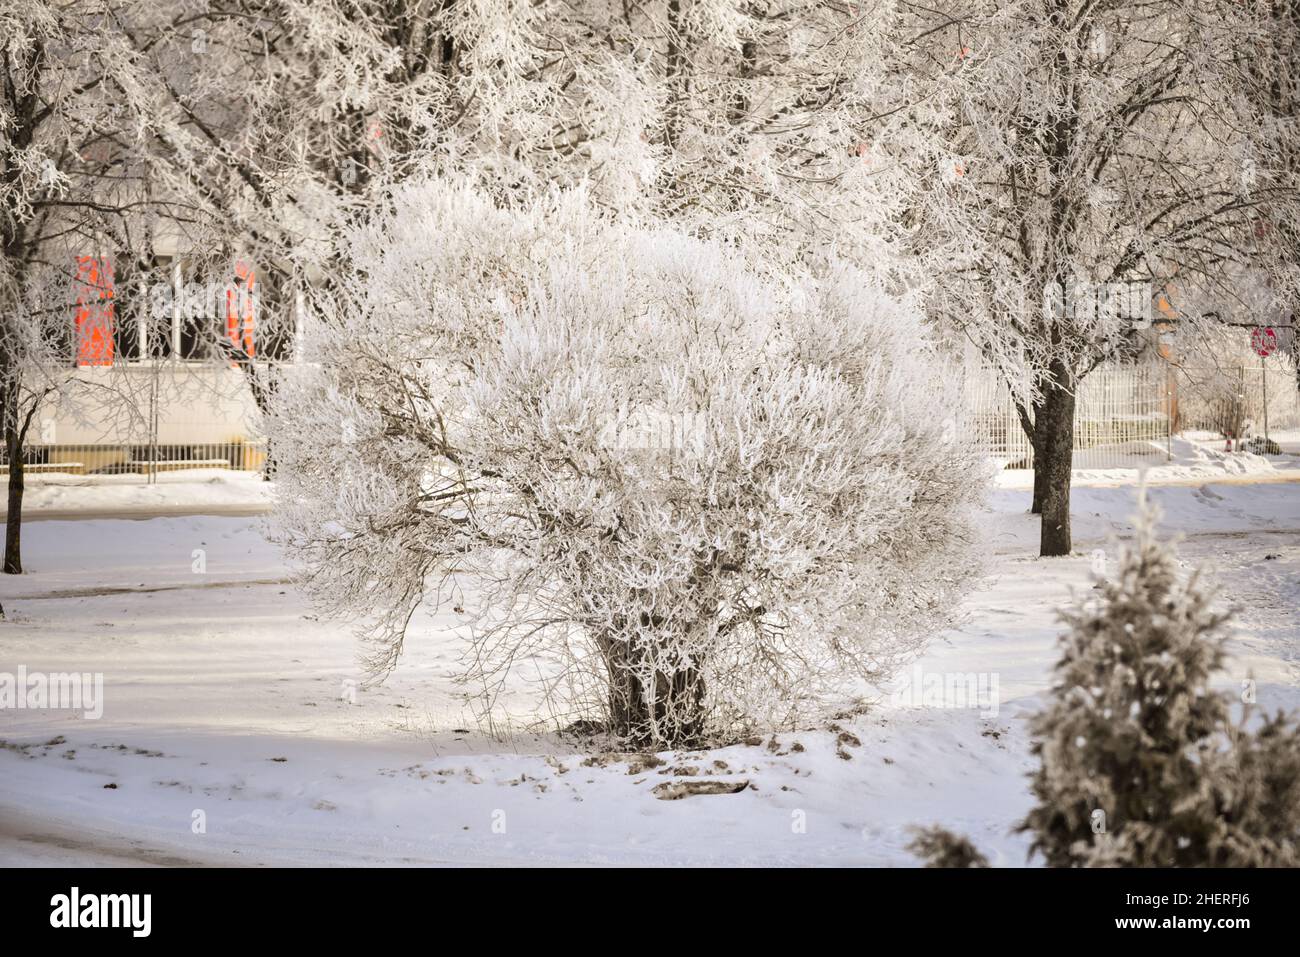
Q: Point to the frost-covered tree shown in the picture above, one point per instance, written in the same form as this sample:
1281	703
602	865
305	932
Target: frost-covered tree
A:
281	113
1075	155
1141	763
77	115
749	120
35	356
1267	74
744	120
686	494
753	121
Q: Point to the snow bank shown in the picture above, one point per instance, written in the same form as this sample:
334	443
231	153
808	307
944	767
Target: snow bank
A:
195	490
1192	458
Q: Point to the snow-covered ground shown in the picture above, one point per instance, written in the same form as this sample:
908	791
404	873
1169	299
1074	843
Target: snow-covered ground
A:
226	701
1193	458
59	495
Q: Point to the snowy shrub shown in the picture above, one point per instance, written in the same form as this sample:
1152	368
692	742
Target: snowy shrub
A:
1140	762
683	493
939	847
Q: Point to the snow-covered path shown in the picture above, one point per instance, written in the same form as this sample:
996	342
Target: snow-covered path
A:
227	703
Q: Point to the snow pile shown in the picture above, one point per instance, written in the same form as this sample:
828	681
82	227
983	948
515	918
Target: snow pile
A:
211	491
1183	459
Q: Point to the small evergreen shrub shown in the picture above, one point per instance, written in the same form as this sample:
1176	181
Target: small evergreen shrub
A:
1141	764
939	847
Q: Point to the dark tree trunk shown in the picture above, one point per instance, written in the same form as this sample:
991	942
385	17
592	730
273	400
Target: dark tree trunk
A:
1054	452
1036	506
275	331
14	519
262	384
670	714
1040	473
1028	425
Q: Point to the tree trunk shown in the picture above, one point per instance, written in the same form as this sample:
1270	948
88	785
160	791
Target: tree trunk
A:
1036	506
262	385
669	714
14	520
1029	416
276	329
1054	445
1040	477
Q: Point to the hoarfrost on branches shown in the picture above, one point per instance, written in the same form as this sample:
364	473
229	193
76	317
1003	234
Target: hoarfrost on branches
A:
688	494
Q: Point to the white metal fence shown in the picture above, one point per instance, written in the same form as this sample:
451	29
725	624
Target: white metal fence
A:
1127	416
1231	397
1121	418
136	421
143	419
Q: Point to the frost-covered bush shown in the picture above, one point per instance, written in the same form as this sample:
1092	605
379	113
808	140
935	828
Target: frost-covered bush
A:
685	492
1141	764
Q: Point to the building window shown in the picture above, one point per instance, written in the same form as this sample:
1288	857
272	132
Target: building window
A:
151	309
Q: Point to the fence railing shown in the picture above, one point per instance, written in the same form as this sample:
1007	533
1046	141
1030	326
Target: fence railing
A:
142	420
1238	397
1126	416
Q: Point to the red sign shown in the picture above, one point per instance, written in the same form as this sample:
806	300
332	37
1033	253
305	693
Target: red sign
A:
240	317
1263	340
94	292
